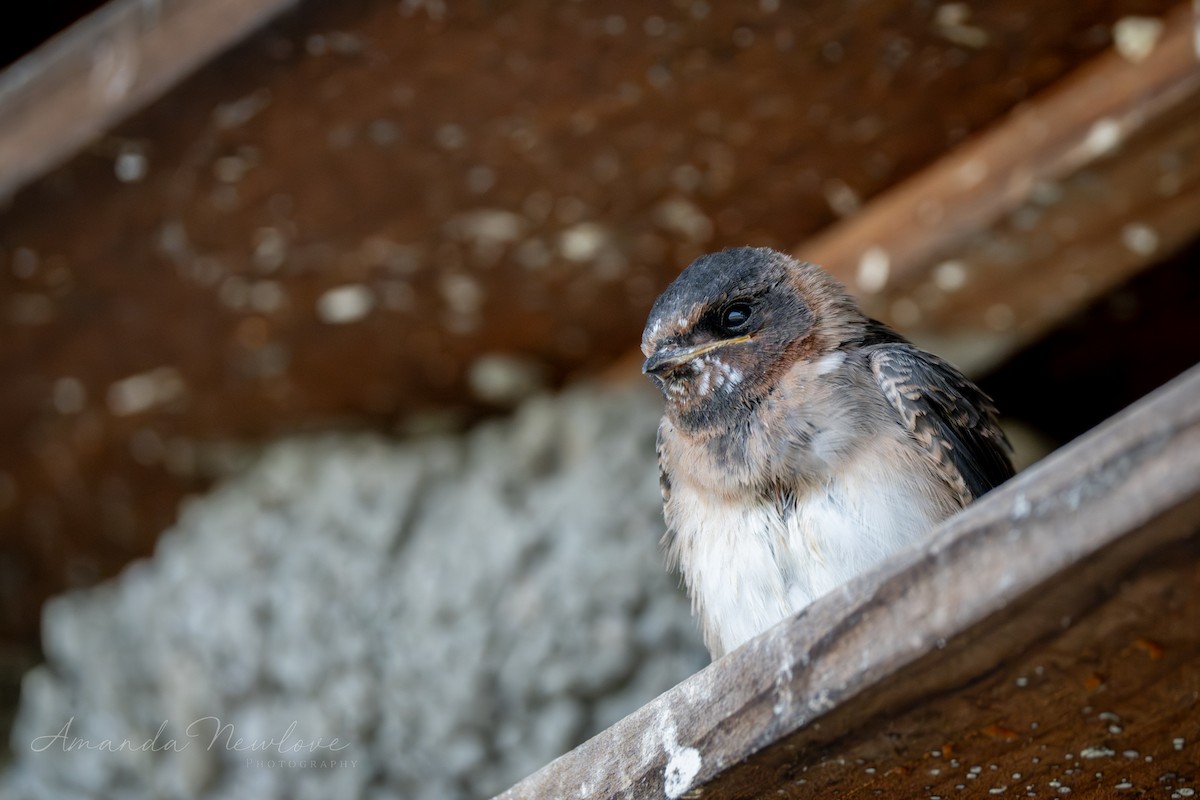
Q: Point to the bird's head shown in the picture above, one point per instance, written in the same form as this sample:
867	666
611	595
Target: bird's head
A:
732	323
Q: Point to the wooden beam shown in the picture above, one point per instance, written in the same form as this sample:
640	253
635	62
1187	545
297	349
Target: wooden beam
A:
105	67
1068	196
1085	553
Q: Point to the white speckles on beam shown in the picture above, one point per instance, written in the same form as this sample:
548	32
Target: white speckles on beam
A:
131	165
486	225
68	395
684	218
1139	238
873	269
842	199
1103	138
1096	752
1136	37
681	771
971	173
1021	507
582	242
950	276
683	763
144	391
345	304
463	294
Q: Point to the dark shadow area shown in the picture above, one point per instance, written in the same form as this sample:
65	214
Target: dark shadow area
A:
1125	345
38	24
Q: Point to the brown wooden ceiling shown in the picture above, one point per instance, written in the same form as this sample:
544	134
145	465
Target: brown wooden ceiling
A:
516	178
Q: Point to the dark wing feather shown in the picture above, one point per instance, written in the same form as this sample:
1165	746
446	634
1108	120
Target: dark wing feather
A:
950	417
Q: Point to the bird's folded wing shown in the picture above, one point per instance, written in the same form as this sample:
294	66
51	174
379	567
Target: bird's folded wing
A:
950	417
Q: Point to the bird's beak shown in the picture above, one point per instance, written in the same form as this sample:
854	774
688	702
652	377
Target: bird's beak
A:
673	357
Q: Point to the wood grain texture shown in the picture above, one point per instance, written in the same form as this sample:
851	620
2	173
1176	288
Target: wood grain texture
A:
1059	567
105	67
1067	196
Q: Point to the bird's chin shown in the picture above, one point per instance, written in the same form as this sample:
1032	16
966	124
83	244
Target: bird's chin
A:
675	391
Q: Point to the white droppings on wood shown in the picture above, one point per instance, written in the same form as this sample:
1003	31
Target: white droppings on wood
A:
1103	137
383	132
68	395
950	276
582	242
130	165
239	112
950	19
654	26
1021	507
682	217
270	249
1096	751
842	199
480	178
1136	37
450	137
144	391
486	225
463	294
683	763
345	304
971	173
873	269
1139	238
265	296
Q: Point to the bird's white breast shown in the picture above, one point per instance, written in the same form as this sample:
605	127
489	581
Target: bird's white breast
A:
750	565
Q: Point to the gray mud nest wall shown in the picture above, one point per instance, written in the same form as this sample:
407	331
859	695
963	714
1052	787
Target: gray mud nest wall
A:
456	612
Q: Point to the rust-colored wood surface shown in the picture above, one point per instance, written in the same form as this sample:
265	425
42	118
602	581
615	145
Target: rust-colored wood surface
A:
109	65
1068	196
332	223
1043	642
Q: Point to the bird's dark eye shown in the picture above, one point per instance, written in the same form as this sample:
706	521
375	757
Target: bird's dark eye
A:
736	316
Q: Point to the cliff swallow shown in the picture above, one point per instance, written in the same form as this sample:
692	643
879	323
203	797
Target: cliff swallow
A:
802	442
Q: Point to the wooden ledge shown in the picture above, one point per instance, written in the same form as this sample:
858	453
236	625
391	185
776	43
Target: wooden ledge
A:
1045	637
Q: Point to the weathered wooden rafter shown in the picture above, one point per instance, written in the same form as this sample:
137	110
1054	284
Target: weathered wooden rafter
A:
1069	195
110	64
